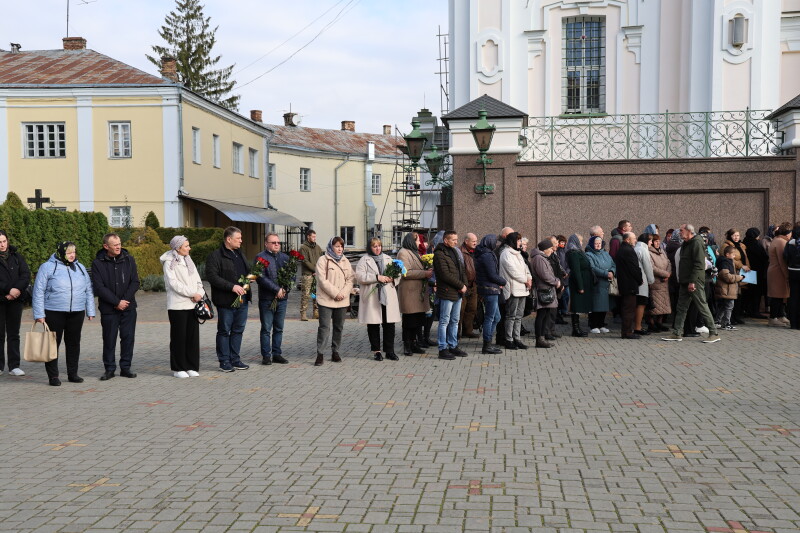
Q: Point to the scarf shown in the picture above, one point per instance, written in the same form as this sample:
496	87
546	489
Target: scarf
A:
590	246
742	253
489	242
61	253
379	262
175	258
573	243
409	243
329	250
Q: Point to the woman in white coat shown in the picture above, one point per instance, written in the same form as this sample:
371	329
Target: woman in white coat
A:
642	250
379	307
184	290
515	271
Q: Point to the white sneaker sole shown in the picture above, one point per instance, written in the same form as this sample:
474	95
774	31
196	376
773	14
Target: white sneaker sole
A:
711	341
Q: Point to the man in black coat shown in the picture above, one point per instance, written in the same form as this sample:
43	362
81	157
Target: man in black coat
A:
115	280
225	266
629	278
451	284
15	276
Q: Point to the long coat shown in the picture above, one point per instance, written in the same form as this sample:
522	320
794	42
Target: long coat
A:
543	277
412	293
334	279
601	264
778	271
514	270
629	273
580	279
646	266
659	289
369	309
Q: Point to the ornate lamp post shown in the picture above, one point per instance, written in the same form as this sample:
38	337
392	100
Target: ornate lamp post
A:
482	133
416	141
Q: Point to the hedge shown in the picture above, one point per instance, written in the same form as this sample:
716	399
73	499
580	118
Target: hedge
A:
146	248
195	235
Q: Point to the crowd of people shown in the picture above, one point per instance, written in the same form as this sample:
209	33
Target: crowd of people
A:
491	284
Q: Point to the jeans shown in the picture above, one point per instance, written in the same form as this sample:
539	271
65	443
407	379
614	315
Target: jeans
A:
563	302
328	316
448	323
10	318
515	305
184	340
230	326
491	316
271	326
724	310
122	324
698	297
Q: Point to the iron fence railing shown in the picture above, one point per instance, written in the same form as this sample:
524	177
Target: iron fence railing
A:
656	136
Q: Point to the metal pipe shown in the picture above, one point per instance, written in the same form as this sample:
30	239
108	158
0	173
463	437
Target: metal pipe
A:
336	193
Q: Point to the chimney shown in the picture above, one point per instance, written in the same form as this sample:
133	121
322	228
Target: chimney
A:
289	119
74	43
169	68
348	125
15	47
255	115
387	129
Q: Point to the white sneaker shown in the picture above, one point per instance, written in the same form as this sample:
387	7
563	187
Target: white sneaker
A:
604	330
17	372
701	329
180	374
594	330
192	373
784	320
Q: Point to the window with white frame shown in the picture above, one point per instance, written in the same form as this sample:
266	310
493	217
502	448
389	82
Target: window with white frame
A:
271	175
348	234
196	145
253	156
120	217
238	158
376	184
583	74
45	140
305	179
216	150
119	137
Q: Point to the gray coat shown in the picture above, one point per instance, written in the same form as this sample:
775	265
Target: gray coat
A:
646	264
543	276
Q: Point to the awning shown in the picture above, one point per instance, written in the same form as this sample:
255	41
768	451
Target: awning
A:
248	213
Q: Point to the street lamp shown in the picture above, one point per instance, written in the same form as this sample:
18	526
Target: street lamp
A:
482	133
416	141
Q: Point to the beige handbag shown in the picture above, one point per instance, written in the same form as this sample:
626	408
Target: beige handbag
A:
40	346
613	287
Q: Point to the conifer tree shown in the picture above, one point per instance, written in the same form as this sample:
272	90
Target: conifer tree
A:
190	41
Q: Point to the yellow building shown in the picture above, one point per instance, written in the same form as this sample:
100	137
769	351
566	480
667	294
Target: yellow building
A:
96	134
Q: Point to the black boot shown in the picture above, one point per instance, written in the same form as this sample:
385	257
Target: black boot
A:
487	349
576	326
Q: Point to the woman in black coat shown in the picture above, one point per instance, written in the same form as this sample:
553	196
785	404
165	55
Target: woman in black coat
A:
15	276
580	283
490	285
629	278
759	261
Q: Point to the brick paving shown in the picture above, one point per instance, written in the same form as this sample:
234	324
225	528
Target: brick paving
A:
596	434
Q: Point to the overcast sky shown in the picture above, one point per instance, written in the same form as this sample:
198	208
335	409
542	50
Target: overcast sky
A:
375	63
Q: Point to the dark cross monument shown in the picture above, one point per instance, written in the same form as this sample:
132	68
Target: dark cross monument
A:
38	200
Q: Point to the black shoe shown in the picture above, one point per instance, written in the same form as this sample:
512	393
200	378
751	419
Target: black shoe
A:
416	348
510	346
423	343
524	331
550	337
446	355
126	373
280	360
378	356
520	345
458	352
107	376
555	334
336	358
266	360
737	321
75	379
392	356
55	382
240	366
487	349
641	332
541	342
560	320
632	336
320	360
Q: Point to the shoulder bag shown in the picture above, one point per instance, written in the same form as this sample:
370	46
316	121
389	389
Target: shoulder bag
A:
40	346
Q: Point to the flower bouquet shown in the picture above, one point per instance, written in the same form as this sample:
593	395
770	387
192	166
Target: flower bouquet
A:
287	274
427	260
392	270
245	281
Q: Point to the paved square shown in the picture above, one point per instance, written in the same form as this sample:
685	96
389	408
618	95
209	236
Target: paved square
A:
596	434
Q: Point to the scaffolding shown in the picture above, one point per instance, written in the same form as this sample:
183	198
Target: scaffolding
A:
444	72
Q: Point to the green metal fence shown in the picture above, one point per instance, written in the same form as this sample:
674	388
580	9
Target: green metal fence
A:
656	136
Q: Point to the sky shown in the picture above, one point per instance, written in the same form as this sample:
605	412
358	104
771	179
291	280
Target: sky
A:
371	61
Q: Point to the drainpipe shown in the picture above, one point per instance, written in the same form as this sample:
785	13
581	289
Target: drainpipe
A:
369	205
336	193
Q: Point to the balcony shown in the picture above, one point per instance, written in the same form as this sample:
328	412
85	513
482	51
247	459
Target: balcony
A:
667	135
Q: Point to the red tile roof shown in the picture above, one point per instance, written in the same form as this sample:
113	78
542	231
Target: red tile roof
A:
69	67
348	142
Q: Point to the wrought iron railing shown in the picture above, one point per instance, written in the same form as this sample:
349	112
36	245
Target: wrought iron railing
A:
656	136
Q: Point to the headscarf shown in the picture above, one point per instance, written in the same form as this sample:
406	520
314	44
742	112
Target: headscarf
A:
175	243
329	250
378	258
771	231
573	243
410	243
751	237
590	245
61	253
651	228
489	242
676	237
511	240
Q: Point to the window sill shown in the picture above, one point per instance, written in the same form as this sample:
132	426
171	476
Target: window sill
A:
582	115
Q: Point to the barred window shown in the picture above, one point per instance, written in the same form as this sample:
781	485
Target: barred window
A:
45	140
584	51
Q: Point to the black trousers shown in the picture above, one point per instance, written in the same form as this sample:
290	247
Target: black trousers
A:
627	312
542	323
184	340
67	325
122	324
374	334
597	319
776	308
10	319
794	300
412	327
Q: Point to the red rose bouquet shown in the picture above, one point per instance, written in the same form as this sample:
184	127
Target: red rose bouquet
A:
245	281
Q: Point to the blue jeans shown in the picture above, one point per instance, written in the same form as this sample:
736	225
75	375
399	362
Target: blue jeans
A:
448	323
563	302
271	326
230	326
491	315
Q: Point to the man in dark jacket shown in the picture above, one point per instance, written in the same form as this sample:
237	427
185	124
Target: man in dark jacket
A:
115	280
451	284
225	266
469	305
268	291
15	276
629	277
311	252
691	283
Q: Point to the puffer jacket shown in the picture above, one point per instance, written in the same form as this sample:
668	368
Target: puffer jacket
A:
334	279
659	289
514	270
181	284
60	288
450	275
487	271
646	265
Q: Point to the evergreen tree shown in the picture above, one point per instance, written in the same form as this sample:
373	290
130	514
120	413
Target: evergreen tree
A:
190	41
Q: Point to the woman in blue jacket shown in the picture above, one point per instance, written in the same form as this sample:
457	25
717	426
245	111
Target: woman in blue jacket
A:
490	284
603	271
62	296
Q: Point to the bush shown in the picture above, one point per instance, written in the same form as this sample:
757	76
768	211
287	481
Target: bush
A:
151	221
153	283
146	248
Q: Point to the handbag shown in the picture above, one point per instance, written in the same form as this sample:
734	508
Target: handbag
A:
613	287
204	310
546	296
40	346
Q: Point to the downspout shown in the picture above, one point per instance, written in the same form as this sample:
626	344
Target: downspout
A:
369	205
336	193
181	169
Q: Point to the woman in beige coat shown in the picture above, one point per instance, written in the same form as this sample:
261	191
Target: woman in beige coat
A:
778	277
334	284
378	305
659	289
413	294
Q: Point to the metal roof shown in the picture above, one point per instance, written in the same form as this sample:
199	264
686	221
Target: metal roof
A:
334	141
249	213
494	109
794	103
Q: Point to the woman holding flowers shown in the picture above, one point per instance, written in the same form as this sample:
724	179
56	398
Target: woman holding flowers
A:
413	293
334	283
378	276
